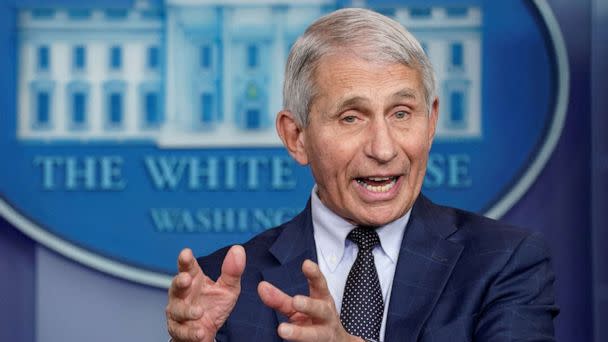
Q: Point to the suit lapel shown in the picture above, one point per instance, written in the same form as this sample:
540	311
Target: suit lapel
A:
294	245
425	263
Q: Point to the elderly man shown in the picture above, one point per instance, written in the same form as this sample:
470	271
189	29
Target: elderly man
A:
370	258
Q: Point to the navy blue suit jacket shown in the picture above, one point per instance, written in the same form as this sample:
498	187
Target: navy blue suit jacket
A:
459	277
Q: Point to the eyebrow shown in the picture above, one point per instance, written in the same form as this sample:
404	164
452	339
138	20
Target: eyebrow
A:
351	102
406	93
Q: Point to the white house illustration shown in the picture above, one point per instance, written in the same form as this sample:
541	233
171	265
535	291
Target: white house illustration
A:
196	73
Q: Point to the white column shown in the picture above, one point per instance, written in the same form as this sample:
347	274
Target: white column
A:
96	68
181	75
278	60
170	70
438	53
473	72
227	74
61	74
27	65
188	76
134	61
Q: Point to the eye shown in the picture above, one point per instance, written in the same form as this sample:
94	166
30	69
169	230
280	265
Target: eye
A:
349	119
401	114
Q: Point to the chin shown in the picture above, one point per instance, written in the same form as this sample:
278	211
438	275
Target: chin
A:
379	217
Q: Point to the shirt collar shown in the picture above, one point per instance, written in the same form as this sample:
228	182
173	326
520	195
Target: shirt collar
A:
330	231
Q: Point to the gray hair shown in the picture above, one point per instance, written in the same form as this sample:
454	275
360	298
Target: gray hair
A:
369	35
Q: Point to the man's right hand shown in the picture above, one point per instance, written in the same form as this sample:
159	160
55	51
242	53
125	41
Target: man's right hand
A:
198	306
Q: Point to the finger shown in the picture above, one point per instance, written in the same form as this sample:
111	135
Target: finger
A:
276	299
233	267
297	333
180	286
181	312
316	281
186	262
184	333
317	309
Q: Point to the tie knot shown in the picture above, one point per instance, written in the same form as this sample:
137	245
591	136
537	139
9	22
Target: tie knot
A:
366	238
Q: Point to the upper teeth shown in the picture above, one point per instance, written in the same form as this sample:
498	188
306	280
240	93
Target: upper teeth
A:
379	179
381	188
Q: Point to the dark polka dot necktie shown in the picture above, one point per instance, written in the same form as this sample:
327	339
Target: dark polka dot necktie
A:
362	304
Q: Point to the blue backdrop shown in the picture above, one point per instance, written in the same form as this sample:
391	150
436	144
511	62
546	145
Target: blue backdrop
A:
46	297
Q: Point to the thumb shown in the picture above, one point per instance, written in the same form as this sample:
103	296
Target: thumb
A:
233	267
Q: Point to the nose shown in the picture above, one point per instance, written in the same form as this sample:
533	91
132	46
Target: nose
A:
381	144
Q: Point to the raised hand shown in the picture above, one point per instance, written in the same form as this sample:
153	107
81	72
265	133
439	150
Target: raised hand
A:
312	318
198	306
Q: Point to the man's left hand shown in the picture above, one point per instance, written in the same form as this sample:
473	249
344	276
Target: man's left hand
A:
312	318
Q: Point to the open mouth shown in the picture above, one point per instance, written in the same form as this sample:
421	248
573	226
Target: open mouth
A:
378	184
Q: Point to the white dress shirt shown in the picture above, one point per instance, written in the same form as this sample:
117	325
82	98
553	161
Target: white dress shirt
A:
336	254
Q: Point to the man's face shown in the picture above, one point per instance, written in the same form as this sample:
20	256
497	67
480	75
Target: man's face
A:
368	138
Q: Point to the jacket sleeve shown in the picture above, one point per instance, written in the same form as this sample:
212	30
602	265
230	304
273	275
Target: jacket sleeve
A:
520	304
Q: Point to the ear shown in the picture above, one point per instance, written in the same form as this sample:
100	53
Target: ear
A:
292	136
433	117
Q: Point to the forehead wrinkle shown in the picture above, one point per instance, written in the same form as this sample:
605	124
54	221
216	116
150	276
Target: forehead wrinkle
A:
327	79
